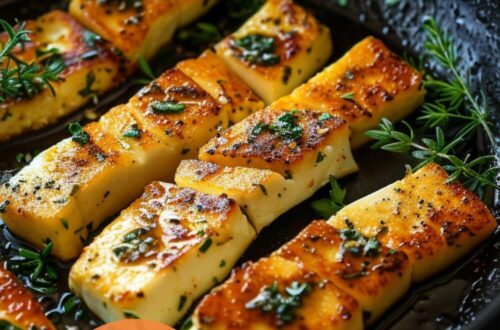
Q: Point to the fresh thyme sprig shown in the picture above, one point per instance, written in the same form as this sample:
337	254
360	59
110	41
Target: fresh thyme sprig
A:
451	105
20	79
35	269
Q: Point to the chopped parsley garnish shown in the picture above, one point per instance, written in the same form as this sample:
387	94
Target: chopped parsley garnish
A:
348	96
357	244
270	299
163	107
285	127
327	207
65	224
133	132
78	134
258	49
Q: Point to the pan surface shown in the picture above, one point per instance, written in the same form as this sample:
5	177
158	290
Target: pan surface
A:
467	296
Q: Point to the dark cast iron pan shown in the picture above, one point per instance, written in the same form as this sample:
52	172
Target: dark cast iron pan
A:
467	296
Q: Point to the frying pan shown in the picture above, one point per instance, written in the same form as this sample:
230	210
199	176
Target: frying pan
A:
466	296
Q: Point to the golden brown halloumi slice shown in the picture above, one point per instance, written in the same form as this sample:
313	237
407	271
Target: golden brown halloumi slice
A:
434	222
301	144
91	68
263	195
138	27
276	49
18	308
160	254
212	74
374	275
368	83
235	304
70	188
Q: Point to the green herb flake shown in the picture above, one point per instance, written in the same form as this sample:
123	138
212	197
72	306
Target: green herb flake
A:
182	302
222	263
327	207
133	132
320	157
65	224
348	96
90	38
3	206
270	299
258	49
130	315
285	126
89	81
187	325
166	107
324	116
205	246
78	135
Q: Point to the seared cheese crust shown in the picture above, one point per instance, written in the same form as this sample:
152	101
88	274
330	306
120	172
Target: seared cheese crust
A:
368	83
301	43
89	67
142	30
147	262
18	307
261	141
376	281
212	74
325	306
263	195
434	222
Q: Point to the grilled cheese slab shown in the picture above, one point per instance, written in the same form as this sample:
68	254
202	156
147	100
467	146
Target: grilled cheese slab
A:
277	49
368	83
211	74
372	250
255	298
160	254
18	308
434	222
91	68
137	27
375	276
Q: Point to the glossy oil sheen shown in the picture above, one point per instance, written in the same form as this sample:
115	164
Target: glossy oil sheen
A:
468	294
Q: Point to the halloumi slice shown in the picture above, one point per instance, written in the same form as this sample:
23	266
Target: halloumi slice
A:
434	222
368	83
235	304
165	250
91	68
18	308
376	277
277	49
300	144
138	27
212	74
263	195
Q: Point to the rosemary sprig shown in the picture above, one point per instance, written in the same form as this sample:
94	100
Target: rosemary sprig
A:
35	269
451	107
149	76
20	79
